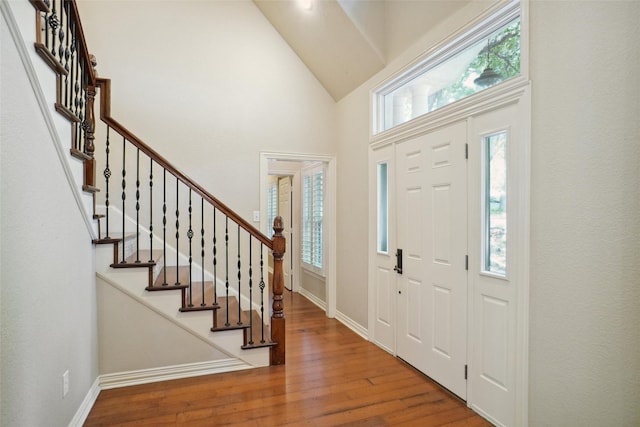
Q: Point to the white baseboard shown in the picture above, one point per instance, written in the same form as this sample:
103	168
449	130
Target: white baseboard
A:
85	407
314	299
145	376
341	317
164	373
353	325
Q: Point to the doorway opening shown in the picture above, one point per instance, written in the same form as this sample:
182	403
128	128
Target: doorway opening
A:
301	189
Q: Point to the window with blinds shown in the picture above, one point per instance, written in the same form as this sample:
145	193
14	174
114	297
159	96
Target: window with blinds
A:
272	207
312	219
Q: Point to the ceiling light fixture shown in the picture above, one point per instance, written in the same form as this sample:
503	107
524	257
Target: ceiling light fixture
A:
306	4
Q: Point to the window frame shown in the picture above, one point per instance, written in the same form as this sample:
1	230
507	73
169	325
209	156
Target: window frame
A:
493	20
310	173
485	234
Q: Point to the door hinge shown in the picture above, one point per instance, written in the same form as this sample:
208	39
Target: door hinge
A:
466	151
466	262
465	372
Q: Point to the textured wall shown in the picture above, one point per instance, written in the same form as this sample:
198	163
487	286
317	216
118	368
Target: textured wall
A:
585	231
48	312
209	84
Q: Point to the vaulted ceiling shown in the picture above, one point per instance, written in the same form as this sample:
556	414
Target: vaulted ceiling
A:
345	42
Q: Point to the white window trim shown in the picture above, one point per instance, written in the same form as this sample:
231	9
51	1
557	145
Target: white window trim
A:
488	22
311	171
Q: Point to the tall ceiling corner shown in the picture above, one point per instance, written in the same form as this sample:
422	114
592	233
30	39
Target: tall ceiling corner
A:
326	39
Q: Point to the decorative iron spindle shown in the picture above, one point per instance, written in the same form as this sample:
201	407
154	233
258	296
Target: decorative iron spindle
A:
61	34
107	175
138	206
203	303
262	286
151	210
239	281
76	86
53	24
190	236
124	195
67	56
250	292
215	261
45	18
226	278
164	226
72	59
177	233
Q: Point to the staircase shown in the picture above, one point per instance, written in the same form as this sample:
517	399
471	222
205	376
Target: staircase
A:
158	230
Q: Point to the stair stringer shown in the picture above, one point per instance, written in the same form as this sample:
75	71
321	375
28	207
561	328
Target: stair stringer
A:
165	303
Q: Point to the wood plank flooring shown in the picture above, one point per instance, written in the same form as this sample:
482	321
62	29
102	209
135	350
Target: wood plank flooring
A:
332	378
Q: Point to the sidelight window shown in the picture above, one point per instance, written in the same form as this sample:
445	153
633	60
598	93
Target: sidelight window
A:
383	208
495	203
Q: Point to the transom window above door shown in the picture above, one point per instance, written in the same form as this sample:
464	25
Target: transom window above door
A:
477	59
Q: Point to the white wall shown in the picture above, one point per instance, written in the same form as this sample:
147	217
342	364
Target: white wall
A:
209	85
48	311
134	337
585	230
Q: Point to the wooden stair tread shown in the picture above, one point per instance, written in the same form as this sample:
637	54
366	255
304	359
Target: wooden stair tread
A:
199	303
145	256
90	189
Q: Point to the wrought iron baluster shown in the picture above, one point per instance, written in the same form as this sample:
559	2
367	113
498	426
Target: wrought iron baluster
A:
151	210
203	303
138	206
226	280
82	115
177	233
107	175
45	18
250	292
54	23
61	33
215	261
72	60
67	55
239	281
164	225
64	25
124	196
262	286
190	236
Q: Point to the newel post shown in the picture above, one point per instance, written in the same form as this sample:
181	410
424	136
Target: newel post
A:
90	129
277	356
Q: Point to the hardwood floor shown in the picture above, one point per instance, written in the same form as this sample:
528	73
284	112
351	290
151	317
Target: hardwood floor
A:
332	377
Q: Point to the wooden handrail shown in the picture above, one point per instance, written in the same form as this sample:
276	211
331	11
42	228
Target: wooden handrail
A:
105	116
83	42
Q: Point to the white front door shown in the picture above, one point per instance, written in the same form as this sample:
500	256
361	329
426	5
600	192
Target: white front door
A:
431	215
284	210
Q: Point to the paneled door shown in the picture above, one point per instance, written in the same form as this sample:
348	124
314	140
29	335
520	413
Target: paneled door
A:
284	210
431	216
